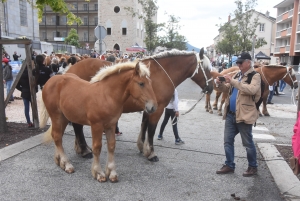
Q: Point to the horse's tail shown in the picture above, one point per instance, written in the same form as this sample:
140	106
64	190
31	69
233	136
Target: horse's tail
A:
47	138
44	116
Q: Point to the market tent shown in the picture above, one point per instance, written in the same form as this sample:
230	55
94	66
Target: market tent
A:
261	55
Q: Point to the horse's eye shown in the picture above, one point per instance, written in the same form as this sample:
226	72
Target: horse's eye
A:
142	84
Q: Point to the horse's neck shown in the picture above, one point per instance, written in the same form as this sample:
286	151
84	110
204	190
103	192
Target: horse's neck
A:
272	74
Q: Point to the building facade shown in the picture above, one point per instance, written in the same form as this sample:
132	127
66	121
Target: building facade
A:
287	44
122	29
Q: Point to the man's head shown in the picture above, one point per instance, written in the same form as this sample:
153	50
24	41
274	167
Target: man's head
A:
15	52
244	62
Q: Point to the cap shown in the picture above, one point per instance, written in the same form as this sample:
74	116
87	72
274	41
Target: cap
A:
243	57
5	60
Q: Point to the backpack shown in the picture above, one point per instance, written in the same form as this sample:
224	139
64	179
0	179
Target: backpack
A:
262	88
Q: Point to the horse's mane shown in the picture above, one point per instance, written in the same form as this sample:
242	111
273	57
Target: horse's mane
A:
109	70
67	68
175	52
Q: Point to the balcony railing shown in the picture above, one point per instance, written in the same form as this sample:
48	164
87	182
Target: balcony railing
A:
278	34
287	48
291	12
277	49
279	18
289	31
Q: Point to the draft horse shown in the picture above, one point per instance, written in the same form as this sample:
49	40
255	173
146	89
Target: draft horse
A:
269	75
168	70
98	103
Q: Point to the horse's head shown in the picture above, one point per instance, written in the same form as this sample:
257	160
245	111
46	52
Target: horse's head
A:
290	78
141	88
203	78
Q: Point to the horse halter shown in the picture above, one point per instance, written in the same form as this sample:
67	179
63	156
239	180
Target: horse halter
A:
288	73
200	65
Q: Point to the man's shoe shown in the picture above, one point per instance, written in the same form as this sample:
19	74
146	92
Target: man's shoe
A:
159	137
281	93
225	170
250	172
270	103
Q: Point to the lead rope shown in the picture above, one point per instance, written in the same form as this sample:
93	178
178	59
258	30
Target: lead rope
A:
165	72
194	105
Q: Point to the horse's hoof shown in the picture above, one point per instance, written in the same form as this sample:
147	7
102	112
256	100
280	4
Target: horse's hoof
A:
69	169
206	110
266	115
215	108
101	178
88	155
220	114
211	112
113	180
260	115
153	159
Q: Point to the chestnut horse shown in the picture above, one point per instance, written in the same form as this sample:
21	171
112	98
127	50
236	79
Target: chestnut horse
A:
269	74
168	70
98	103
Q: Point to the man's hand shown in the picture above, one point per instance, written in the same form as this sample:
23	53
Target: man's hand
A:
177	114
227	78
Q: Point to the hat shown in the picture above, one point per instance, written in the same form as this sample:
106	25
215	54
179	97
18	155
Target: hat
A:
5	60
243	57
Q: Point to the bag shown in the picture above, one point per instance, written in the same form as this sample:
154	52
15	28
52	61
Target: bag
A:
294	163
262	88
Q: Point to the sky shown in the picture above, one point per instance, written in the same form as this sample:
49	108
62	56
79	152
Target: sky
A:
198	18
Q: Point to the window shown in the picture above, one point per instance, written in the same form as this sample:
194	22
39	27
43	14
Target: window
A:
23	12
85	6
44	36
108	31
96	6
53	20
54	34
261	27
64	34
85	36
96	21
75	6
85	20
124	31
43	20
63	20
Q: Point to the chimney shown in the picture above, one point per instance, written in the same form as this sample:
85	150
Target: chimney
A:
267	14
228	18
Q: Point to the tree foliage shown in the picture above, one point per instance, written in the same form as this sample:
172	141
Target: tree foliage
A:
149	10
172	39
58	6
240	31
72	38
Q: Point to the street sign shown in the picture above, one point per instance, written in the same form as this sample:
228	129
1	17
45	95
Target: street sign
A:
97	47
100	32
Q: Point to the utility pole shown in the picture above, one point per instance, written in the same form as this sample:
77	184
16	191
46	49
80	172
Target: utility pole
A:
253	45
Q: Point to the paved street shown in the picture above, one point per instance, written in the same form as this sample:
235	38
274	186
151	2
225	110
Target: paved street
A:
184	172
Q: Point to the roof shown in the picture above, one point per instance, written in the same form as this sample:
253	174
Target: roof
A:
261	55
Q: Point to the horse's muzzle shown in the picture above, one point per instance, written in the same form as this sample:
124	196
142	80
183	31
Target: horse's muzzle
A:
150	107
208	89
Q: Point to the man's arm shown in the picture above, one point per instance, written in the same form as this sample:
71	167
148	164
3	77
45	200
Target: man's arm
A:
244	87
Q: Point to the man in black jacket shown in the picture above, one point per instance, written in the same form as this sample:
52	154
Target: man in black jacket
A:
15	56
41	72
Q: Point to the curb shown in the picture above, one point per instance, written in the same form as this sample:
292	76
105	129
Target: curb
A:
287	182
24	145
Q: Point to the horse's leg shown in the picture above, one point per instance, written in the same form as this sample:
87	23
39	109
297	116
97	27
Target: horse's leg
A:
141	137
209	105
215	104
97	130
265	98
148	145
206	102
110	170
81	146
224	96
58	126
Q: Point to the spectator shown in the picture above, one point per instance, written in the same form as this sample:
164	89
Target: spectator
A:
72	60
171	111
16	57
7	77
44	73
54	65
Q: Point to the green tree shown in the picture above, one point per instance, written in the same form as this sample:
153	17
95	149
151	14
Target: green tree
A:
173	39
58	6
72	38
247	24
149	11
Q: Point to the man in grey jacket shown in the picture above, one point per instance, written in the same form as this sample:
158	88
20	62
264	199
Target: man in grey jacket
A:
240	114
7	76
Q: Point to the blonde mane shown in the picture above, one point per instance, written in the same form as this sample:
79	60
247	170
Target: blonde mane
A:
67	68
109	70
175	52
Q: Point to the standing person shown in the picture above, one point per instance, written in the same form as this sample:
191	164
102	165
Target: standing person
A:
240	114
171	111
24	87
44	73
282	83
7	76
16	57
271	93
54	65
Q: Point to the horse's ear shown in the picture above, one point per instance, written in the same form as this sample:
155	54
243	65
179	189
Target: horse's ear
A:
137	68
201	53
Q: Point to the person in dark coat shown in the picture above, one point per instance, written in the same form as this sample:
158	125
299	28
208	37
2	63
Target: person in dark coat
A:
7	76
24	86
44	73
